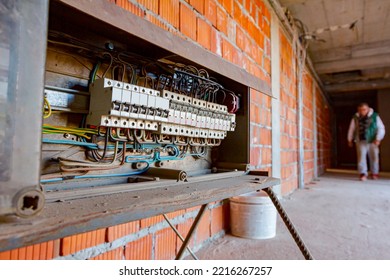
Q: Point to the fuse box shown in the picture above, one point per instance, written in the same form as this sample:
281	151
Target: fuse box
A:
116	111
128	106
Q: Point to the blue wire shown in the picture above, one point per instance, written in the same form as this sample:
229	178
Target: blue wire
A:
70	142
52	180
81	143
137	158
158	157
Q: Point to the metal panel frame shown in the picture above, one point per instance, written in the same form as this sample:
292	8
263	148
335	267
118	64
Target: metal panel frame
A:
20	151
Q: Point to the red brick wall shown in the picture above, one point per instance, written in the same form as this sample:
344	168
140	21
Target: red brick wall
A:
43	251
308	128
289	122
324	137
260	131
238	32
160	242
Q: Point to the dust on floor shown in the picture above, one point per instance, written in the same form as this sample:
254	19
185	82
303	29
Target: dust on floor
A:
338	217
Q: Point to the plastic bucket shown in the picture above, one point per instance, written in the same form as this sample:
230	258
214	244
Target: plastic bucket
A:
253	215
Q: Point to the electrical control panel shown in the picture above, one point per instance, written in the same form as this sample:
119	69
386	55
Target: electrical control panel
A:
128	106
112	111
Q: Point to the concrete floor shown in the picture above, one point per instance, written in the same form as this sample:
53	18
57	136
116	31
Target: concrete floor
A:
338	217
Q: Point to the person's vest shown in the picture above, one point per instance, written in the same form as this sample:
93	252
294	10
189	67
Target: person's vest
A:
370	131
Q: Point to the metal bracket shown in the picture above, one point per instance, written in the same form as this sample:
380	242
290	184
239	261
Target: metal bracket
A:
194	226
232	165
180	236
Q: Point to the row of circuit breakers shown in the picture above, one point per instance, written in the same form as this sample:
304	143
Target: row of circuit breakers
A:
122	105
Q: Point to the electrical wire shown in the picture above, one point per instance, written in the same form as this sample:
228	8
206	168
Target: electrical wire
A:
96	176
68	45
94	73
74	57
70	142
92	146
70	165
79	165
47	113
81	132
109	66
98	157
132	72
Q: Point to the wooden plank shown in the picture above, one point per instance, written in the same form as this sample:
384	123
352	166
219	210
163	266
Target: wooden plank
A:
60	219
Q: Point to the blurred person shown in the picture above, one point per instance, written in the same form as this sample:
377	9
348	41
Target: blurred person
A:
367	131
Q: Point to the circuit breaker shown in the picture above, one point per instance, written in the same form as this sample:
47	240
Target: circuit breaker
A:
128	106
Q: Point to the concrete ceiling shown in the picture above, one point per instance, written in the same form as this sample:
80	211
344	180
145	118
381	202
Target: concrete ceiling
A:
349	59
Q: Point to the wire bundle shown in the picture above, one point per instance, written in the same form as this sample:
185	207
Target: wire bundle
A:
80	132
112	154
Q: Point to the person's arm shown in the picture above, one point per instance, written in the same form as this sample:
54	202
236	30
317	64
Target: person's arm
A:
381	129
351	132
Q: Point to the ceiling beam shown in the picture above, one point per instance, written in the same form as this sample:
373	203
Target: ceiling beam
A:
358	86
358	63
363	75
342	53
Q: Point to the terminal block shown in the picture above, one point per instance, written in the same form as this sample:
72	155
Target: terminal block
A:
122	105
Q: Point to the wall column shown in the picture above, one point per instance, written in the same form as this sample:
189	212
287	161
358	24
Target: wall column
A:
384	113
315	131
275	103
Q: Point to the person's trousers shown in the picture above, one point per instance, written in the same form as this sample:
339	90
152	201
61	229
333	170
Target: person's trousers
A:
363	148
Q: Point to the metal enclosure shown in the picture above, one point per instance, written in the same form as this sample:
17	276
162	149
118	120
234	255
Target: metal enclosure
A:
25	23
23	26
26	62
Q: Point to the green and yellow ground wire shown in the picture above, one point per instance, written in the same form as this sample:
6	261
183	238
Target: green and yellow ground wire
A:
81	132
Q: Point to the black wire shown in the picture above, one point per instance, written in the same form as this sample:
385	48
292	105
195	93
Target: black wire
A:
101	157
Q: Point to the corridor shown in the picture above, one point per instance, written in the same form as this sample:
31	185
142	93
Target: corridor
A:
338	217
